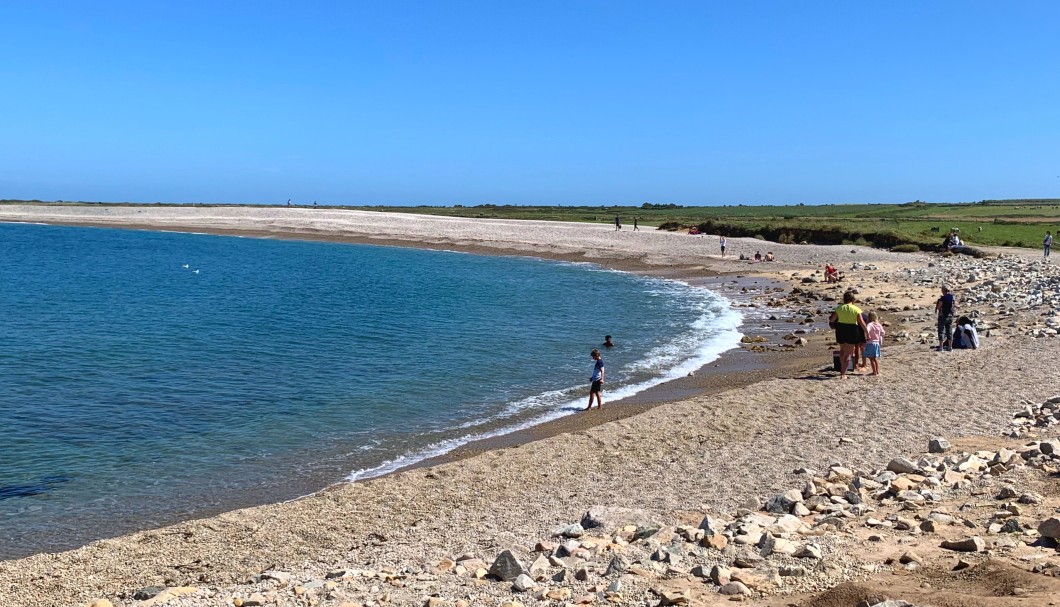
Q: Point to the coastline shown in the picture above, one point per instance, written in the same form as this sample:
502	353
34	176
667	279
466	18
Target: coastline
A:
734	368
702	452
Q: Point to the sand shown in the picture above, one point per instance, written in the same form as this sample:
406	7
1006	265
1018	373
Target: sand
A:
707	452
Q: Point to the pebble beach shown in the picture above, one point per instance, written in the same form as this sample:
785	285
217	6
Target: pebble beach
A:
787	488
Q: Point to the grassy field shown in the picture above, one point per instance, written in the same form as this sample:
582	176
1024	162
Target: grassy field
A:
992	223
1020	223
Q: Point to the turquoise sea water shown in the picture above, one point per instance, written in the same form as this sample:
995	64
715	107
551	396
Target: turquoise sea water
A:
135	391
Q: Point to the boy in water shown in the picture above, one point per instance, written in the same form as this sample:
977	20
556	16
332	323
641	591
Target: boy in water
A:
597	379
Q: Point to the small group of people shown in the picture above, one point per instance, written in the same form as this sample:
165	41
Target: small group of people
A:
953	240
596	380
860	336
965	337
769	256
618	223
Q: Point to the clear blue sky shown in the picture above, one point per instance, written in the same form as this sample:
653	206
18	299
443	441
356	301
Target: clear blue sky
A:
540	102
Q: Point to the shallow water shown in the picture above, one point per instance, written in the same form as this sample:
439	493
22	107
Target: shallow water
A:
135	391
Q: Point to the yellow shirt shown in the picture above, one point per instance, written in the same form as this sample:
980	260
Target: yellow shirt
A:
847	314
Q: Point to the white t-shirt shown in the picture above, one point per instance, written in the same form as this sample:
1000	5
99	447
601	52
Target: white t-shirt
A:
968	333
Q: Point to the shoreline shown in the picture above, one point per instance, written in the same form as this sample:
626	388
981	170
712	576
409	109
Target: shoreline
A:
734	368
698	454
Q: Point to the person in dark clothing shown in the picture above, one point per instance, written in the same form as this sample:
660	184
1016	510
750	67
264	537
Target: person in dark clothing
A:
944	308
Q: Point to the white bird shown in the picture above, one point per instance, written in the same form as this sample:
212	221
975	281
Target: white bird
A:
185	266
194	271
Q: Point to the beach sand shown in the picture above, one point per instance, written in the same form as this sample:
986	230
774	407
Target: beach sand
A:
708	449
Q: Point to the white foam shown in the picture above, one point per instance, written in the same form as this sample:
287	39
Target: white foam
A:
718	320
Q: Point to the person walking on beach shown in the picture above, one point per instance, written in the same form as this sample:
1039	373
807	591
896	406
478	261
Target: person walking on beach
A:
635	226
618	223
944	307
722	243
596	386
849	327
1047	243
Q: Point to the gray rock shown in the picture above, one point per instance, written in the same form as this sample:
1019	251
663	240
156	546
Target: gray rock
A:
938	445
969	544
611	518
781	503
619	565
523	583
507	567
809	551
573	531
280	576
793	571
901	465
720	575
747	560
148	592
733	589
1050	528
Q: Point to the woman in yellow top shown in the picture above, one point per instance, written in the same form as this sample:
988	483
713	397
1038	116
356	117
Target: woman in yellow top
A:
849	329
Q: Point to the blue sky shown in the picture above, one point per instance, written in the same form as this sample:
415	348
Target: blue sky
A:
539	102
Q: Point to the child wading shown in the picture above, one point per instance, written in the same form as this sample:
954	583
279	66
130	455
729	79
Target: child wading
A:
597	387
874	342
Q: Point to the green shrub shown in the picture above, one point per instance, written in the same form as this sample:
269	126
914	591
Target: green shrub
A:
906	248
670	226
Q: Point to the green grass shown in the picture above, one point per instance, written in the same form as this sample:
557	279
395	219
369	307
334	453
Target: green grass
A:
1004	222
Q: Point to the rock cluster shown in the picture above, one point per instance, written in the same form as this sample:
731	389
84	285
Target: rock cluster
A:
1035	416
1006	286
808	538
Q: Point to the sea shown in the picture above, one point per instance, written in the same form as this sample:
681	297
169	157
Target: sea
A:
149	377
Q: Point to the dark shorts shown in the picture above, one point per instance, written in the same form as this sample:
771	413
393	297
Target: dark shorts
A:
598	386
847	333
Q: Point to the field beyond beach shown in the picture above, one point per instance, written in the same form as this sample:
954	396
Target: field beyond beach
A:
722	444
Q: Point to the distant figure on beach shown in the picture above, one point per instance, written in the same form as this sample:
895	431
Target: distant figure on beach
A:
288	202
596	386
849	327
607	342
758	256
831	274
770	256
944	307
694	231
873	341
965	337
618	222
1047	243
722	243
636	227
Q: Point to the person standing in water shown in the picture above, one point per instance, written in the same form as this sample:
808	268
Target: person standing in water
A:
607	342
596	386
